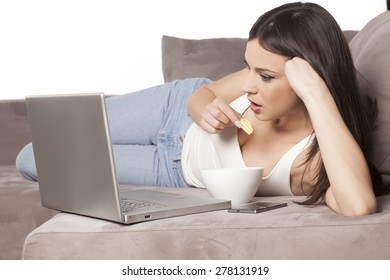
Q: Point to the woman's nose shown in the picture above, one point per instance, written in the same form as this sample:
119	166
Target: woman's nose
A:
249	85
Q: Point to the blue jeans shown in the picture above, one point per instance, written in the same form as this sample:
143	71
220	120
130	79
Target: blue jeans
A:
147	132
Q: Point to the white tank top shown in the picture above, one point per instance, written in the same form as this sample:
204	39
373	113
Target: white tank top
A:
202	150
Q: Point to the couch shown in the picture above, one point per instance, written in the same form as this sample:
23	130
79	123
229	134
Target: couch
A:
30	231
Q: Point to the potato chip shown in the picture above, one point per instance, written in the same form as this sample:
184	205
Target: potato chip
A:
246	126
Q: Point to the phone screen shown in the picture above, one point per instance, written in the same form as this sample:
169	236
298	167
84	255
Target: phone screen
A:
256	207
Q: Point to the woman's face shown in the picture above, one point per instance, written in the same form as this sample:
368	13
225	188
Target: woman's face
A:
268	89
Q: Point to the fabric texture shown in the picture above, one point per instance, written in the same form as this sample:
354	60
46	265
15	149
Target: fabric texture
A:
371	52
20	211
15	129
210	58
293	232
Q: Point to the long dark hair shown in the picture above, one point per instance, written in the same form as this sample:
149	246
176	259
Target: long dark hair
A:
308	31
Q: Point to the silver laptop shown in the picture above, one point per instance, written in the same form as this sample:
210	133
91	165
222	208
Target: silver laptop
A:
75	165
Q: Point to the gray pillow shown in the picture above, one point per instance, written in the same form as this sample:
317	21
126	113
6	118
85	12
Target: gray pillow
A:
208	58
371	52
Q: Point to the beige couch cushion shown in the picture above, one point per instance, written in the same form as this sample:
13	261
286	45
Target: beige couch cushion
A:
371	51
293	232
20	211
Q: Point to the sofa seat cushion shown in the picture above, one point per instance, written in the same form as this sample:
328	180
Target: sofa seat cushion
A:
293	232
20	213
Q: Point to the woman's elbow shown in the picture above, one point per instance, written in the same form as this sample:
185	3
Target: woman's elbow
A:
361	209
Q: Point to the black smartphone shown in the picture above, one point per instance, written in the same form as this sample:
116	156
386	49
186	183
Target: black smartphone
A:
256	207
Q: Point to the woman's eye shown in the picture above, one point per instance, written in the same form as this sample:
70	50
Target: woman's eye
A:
266	78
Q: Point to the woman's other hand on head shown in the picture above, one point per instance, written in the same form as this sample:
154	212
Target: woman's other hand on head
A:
303	78
218	115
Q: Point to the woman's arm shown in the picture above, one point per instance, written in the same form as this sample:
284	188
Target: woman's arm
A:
209	106
350	192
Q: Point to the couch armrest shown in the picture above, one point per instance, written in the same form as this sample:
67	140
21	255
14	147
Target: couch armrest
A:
14	129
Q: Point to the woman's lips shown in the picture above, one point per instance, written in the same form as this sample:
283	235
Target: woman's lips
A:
255	107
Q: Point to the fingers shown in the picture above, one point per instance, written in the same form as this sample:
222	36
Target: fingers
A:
295	65
218	115
303	79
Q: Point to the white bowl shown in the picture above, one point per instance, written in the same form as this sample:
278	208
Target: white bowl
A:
239	185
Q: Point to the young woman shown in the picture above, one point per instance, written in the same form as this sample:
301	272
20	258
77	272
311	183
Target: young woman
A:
312	133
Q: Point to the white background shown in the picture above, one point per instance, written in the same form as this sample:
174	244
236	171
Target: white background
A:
114	46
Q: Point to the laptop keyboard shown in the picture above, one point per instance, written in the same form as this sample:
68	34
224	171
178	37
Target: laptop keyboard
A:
129	205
